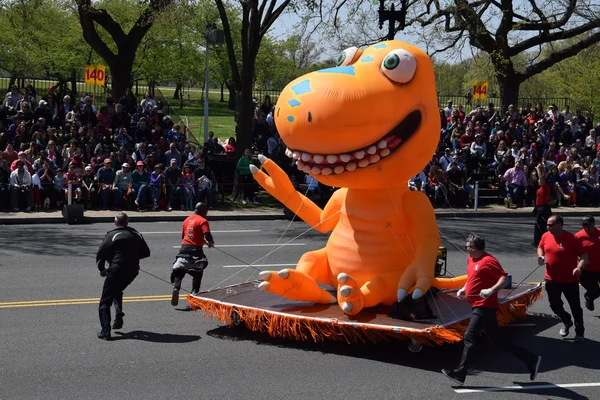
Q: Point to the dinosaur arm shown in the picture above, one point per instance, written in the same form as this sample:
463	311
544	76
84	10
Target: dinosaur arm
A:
278	184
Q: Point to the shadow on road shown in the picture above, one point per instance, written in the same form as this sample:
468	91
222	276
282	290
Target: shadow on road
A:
156	337
556	353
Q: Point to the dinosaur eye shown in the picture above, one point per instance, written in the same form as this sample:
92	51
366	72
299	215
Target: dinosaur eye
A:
348	56
399	66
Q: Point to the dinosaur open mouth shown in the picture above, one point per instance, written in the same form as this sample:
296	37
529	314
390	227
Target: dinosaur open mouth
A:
327	164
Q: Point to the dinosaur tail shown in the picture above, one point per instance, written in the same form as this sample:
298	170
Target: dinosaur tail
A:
450	283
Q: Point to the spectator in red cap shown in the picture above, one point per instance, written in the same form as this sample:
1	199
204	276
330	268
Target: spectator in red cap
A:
140	180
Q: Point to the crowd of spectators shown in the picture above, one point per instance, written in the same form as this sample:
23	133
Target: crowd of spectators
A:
124	153
503	149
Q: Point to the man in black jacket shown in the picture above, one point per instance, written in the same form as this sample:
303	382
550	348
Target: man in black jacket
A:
123	248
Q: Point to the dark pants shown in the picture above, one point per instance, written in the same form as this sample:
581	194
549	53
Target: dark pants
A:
571	292
485	319
590	281
248	186
541	217
112	292
196	275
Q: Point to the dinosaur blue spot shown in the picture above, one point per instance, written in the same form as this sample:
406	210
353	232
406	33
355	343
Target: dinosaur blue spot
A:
348	70
290	118
294	103
380	46
302	87
366	59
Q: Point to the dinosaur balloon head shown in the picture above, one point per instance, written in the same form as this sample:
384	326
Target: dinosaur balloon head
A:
370	122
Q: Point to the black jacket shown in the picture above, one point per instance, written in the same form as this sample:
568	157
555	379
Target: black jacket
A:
122	247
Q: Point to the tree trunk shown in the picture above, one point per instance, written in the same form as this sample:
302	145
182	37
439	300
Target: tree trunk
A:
73	87
509	91
178	95
232	96
12	81
245	123
121	75
222	99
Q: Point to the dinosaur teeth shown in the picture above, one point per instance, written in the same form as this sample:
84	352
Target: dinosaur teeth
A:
363	163
345	157
372	150
306	169
288	153
374	158
300	164
382	144
351	166
315	170
385	152
339	169
331	159
326	171
295	155
318	158
359	155
306	157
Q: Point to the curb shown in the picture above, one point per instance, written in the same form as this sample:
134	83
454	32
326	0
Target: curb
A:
136	218
269	217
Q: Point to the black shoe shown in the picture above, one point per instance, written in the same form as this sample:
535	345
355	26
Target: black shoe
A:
175	297
118	324
454	376
534	367
104	336
589	304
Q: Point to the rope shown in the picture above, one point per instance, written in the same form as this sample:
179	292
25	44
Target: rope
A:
161	279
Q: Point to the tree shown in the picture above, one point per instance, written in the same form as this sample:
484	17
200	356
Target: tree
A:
504	30
120	58
257	18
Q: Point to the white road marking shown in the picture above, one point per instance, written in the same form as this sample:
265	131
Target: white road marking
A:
256	245
258	265
239	231
529	387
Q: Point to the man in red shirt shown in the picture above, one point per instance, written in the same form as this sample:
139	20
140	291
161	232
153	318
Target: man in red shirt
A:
589	237
564	257
542	205
485	278
191	259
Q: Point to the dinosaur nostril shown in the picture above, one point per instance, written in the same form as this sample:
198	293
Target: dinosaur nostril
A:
309	117
279	109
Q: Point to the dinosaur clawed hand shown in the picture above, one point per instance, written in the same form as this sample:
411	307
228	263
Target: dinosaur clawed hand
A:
409	281
350	298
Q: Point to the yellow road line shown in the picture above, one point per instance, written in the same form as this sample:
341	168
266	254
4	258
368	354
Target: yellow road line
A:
66	302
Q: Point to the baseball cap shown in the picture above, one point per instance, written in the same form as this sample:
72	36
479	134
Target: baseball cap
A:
139	163
21	153
107	160
576	166
447	149
588	219
173	160
88	168
125	165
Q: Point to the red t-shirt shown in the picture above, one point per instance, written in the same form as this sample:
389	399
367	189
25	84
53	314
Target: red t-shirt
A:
561	256
193	230
542	195
483	273
591	245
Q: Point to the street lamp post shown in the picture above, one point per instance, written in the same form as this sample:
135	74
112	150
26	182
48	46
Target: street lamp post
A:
392	16
213	36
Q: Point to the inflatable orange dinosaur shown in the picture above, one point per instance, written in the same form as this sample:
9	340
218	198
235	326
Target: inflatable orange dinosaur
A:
366	126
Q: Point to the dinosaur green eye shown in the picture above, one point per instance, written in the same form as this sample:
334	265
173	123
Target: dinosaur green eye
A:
391	61
348	56
399	66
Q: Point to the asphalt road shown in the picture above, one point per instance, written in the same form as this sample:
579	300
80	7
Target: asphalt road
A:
49	287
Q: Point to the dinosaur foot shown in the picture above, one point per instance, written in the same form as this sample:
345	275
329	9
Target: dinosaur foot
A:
350	298
294	285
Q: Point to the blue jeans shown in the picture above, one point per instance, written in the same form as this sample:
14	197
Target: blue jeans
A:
104	193
513	192
206	195
118	194
171	190
155	193
139	193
